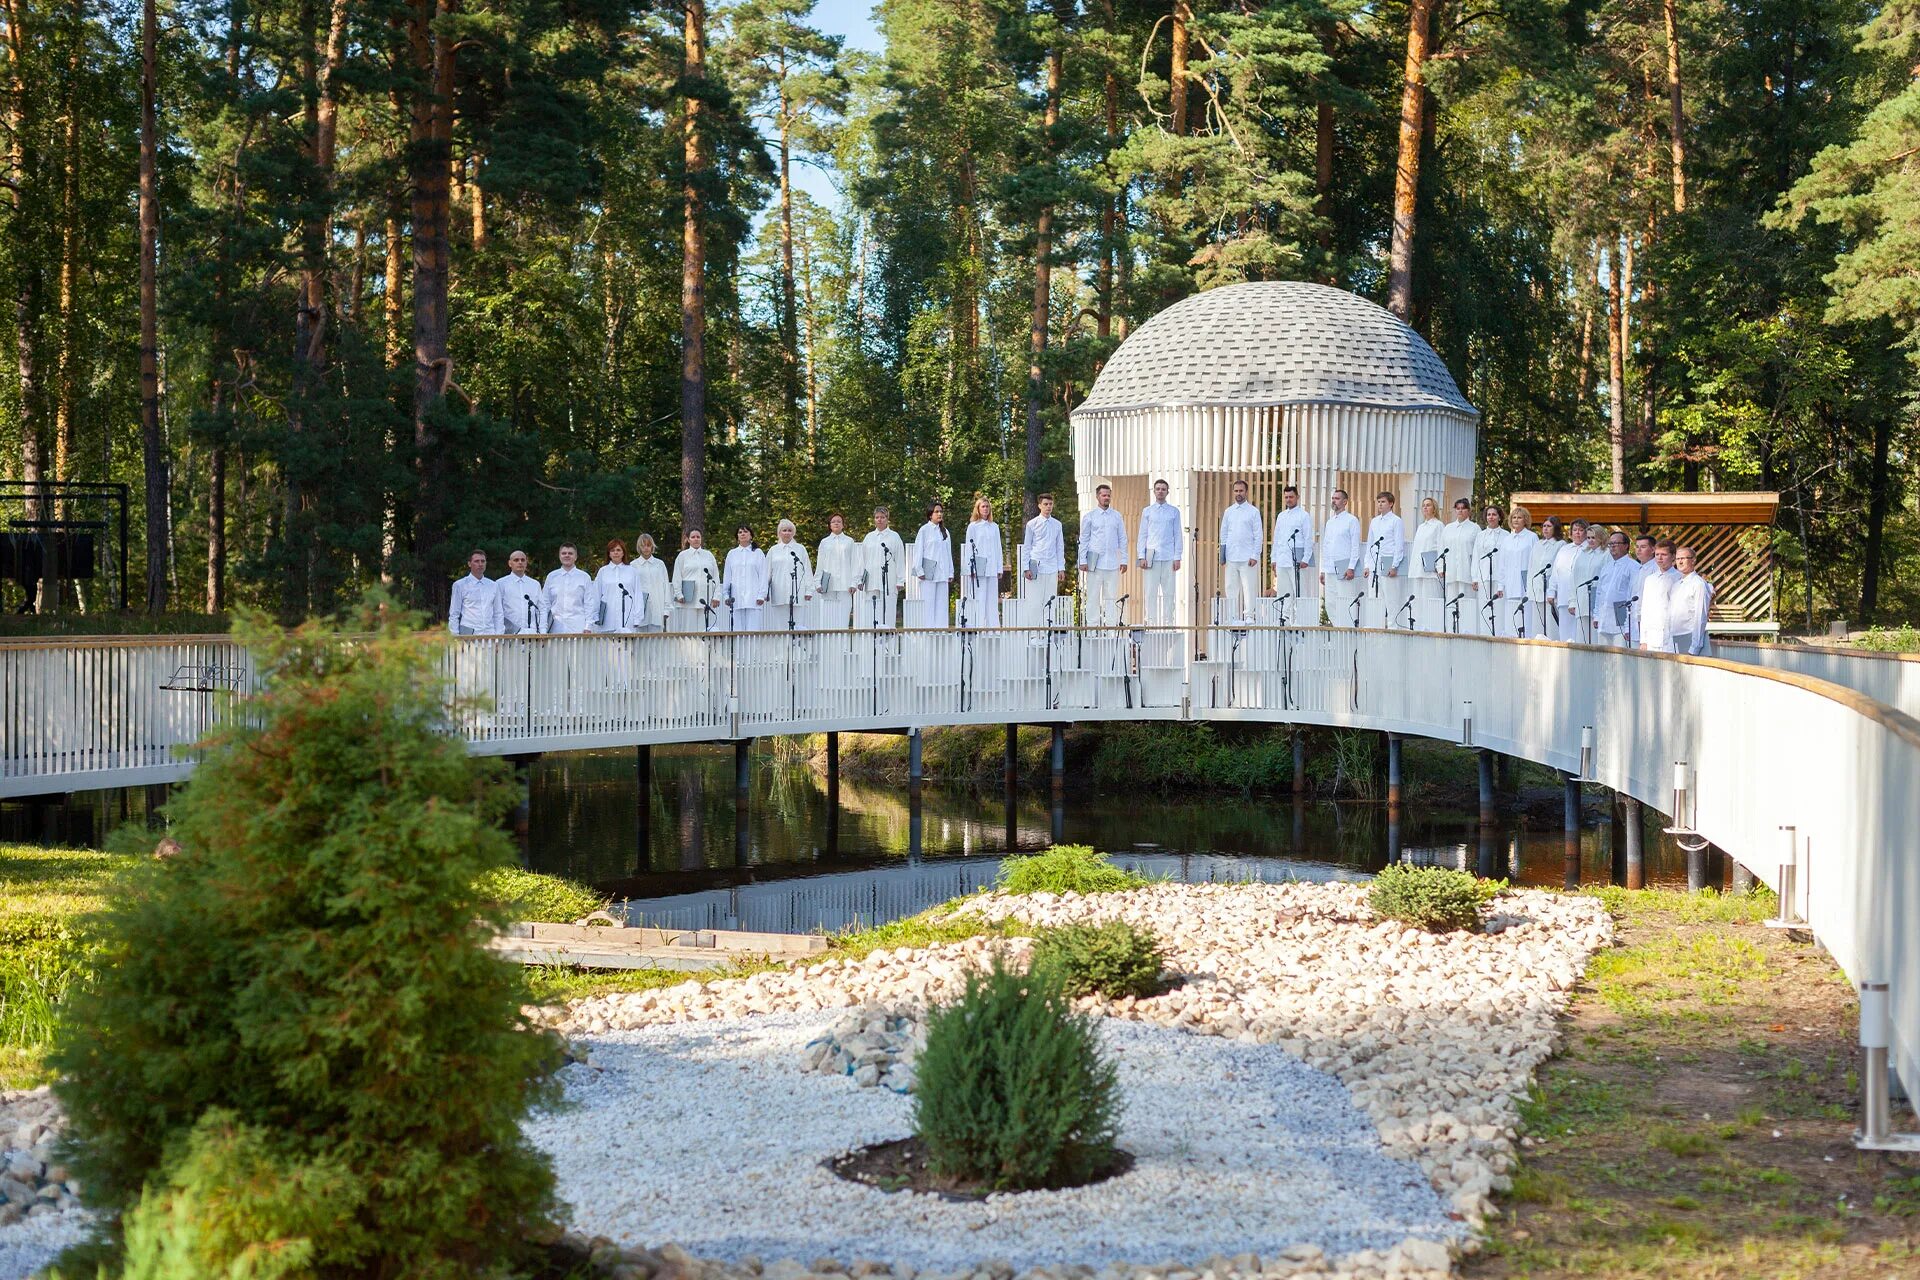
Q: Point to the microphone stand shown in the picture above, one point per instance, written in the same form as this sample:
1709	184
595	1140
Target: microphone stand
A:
1520	618
1373	549
1587	587
1453	607
706	600
1356	613
1293	554
793	587
624	597
1406	607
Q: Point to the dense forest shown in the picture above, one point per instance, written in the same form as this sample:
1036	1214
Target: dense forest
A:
343	287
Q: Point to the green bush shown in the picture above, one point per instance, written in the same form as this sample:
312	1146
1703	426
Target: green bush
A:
230	1205
1066	868
1115	959
544	899
1436	898
313	963
1013	1088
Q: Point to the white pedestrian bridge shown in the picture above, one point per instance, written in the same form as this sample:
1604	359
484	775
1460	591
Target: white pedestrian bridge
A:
1791	756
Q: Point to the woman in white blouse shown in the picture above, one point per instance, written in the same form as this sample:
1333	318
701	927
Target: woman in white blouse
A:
981	558
622	608
790	585
745	577
931	559
1541	619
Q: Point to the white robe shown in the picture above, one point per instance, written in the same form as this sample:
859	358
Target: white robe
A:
1515	558
883	571
697	566
981	559
1385	565
1619	586
837	577
1293	559
1540	618
1457	541
652	571
745	579
790	582
931	557
618	613
1587	568
1687	609
1340	553
1429	585
1656	615
1488	545
475	608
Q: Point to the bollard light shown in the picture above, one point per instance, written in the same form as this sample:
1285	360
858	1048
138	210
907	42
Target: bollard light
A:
1788	915
1586	753
1682	830
1466	723
1876	1105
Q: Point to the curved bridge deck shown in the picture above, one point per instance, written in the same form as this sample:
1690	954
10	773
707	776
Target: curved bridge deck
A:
1767	748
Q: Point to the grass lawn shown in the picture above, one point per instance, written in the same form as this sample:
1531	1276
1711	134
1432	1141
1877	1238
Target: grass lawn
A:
1698	1119
43	892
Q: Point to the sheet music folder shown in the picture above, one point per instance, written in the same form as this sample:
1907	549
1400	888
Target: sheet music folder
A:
1429	560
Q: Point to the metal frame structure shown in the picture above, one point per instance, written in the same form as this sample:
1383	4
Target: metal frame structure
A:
50	492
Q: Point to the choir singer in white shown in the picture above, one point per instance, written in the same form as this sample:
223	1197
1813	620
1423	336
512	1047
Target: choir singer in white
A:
981	559
1241	533
1103	559
1295	583
838	563
1340	566
932	558
1161	543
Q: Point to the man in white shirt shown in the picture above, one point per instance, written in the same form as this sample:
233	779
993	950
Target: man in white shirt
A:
1643	552
838	564
789	583
1103	558
696	576
1656	594
571	599
1161	547
1340	582
1618	587
1514	561
1688	605
1561	582
1043	559
1461	609
475	607
1293	576
745	577
523	601
1241	533
883	572
1385	566
654	588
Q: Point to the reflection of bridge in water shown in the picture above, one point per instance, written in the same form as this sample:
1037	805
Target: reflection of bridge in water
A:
1801	778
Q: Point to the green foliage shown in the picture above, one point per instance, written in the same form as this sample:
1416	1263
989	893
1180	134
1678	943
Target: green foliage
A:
44	950
1435	898
1066	868
1114	958
1888	640
234	1204
534	896
1014	1090
313	963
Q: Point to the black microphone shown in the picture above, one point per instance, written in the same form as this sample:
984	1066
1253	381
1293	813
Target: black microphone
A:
1356	611
624	597
1375	549
1406	607
1453	606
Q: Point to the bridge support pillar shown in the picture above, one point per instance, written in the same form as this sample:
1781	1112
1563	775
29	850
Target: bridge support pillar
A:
1504	766
1393	775
742	770
1616	843
916	769
643	816
1634	867
1057	760
1570	786
1486	787
833	770
1299	763
1010	767
1742	879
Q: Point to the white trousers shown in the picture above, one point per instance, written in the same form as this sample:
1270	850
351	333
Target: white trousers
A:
1240	587
1429	602
980	604
835	610
1343	594
1471	620
1540	620
1614	639
1503	621
876	609
805	616
1156	586
1571	627
1030	605
1383	605
564	625
931	611
747	617
1103	589
1302	584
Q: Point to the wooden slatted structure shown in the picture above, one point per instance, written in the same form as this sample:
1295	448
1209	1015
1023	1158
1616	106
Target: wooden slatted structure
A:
1731	535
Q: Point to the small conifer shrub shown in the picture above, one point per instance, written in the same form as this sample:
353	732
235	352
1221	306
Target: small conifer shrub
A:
312	964
1432	898
1066	868
1014	1091
1114	959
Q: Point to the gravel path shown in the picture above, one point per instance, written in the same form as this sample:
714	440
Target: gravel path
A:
27	1246
710	1135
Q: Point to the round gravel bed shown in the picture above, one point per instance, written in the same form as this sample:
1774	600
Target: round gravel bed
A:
33	1243
710	1135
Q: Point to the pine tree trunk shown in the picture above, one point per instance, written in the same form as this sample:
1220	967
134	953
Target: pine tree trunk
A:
477	203
1177	73
1616	374
1406	172
789	305
693	289
430	133
1676	115
1879	498
152	447
813	385
64	379
21	173
1042	302
1109	211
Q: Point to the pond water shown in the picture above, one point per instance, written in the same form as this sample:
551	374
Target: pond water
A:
789	861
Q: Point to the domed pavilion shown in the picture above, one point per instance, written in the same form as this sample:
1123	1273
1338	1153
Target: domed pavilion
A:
1272	382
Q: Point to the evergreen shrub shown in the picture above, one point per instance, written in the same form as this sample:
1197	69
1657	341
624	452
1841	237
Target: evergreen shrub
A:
312	964
1013	1089
1432	898
1115	959
532	896
1066	868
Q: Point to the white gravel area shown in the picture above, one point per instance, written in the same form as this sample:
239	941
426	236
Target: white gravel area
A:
29	1245
710	1135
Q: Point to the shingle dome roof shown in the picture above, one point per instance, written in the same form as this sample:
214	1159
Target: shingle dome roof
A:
1275	342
